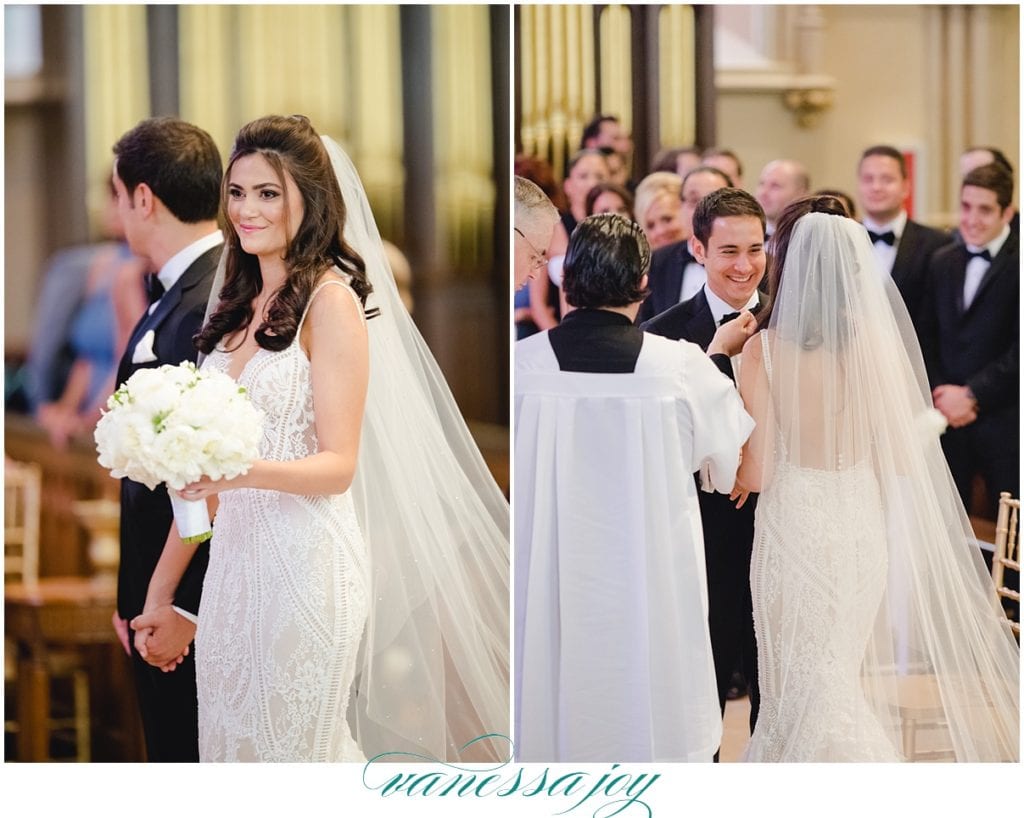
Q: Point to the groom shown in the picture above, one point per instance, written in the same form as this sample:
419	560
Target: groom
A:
167	176
728	239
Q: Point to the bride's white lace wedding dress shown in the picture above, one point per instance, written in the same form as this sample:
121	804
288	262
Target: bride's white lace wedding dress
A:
872	607
817	578
285	597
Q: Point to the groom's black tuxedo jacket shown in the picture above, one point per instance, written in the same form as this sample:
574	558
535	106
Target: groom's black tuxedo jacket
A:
728	531
665	279
146	515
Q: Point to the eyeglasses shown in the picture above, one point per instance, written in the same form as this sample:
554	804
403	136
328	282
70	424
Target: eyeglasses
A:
539	259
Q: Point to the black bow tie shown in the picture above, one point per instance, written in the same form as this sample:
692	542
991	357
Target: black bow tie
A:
154	288
985	254
729	316
888	237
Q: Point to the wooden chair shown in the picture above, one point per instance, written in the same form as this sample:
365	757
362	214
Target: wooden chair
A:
22	493
22	508
1007	556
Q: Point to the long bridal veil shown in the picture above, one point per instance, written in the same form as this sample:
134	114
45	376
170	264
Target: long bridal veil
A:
892	591
435	670
433	673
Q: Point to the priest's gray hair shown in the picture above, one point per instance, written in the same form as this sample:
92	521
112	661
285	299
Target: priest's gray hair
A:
531	201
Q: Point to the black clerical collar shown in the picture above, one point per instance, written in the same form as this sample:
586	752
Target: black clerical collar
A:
588	317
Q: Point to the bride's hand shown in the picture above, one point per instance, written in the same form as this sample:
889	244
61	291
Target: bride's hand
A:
205	487
739	492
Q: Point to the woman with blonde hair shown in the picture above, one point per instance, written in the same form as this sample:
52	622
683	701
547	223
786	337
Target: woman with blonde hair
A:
659	209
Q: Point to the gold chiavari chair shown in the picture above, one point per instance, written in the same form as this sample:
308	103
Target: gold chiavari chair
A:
1007	557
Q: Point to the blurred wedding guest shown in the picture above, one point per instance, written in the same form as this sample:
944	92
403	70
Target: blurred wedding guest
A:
845	198
976	157
676	276
970	337
606	131
679	161
86	320
535	219
726	161
540	172
781	181
609	197
618	171
659	209
613	657
902	247
586	168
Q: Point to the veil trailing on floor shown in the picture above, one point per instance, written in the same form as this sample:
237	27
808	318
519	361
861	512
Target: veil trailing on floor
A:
434	663
881	582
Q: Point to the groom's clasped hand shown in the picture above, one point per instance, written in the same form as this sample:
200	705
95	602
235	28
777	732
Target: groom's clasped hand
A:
163	636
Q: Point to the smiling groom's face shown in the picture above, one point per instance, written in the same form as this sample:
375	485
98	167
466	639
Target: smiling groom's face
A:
734	258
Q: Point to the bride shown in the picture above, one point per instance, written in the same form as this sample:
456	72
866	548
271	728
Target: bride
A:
869	602
356	600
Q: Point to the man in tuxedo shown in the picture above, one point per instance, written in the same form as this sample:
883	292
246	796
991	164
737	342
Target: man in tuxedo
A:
975	157
167	174
971	338
728	239
675	274
902	247
782	181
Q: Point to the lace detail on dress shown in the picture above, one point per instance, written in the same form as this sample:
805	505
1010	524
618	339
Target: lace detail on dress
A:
817	578
285	596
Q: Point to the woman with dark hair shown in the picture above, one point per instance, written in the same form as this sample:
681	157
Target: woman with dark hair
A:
613	656
869	601
608	197
369	532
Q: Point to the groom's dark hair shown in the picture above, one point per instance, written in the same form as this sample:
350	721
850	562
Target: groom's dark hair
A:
726	201
607	258
178	161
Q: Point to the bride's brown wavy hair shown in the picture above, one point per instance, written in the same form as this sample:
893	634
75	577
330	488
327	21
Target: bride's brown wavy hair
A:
289	144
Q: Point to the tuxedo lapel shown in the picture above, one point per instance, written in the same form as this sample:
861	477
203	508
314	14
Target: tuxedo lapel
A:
672	284
905	250
700	325
168	303
999	265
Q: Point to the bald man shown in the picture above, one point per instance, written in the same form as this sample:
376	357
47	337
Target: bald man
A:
781	181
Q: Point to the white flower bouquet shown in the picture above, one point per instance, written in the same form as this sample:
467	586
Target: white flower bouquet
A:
175	425
930	425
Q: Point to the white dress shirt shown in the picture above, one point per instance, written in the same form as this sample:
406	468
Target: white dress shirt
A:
885	254
177	264
720	308
977	266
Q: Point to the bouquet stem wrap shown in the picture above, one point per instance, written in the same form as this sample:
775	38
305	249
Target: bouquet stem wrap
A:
192	518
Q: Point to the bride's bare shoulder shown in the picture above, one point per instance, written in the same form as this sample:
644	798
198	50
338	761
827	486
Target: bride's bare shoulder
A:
752	347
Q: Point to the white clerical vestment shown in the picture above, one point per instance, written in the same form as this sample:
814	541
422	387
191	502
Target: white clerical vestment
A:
613	657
